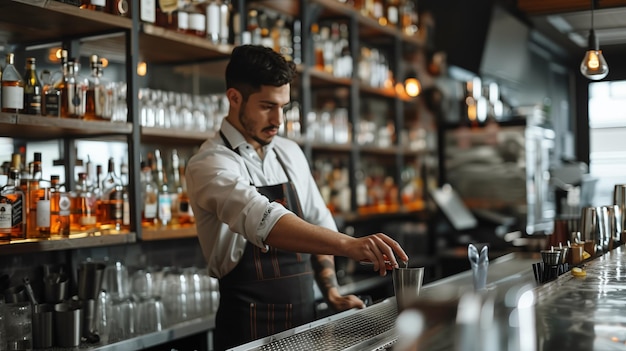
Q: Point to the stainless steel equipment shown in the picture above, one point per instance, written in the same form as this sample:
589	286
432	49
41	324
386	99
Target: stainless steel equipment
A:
369	329
505	168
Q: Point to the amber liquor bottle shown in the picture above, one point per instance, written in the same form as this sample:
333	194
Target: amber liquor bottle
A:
60	206
36	225
12	224
112	201
83	207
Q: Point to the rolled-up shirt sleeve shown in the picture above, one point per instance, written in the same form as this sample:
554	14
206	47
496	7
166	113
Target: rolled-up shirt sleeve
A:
221	193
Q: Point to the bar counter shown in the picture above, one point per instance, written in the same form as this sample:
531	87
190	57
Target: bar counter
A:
567	313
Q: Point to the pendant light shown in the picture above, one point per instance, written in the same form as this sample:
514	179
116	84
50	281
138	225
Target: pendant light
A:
412	85
594	65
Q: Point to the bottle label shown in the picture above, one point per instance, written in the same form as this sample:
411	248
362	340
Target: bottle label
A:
32	103
150	210
102	102
5	214
165	208
10	212
52	103
12	97
148	11
75	100
43	213
64	204
213	20
101	3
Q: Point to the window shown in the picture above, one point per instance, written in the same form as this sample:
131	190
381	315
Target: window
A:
607	135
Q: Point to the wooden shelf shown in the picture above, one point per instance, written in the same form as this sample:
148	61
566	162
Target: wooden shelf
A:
37	21
188	137
160	45
41	127
170	232
74	241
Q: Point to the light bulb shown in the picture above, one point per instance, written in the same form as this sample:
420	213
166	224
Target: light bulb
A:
594	65
412	87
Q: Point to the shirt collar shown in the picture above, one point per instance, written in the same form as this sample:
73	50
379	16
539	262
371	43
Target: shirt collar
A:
236	139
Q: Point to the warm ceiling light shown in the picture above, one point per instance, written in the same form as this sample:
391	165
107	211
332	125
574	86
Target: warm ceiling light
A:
594	65
412	86
142	69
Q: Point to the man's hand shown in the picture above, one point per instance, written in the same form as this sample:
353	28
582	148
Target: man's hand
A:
343	303
379	249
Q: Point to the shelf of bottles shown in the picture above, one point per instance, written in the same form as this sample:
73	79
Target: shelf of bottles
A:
38	214
165	209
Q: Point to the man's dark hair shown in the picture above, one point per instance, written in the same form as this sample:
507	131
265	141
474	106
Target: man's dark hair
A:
252	66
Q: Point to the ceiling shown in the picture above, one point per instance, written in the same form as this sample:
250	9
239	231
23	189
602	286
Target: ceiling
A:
567	22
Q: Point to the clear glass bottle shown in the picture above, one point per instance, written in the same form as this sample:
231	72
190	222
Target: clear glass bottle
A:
164	198
83	207
99	104
60	207
51	96
32	89
12	224
12	87
112	202
149	196
73	92
225	12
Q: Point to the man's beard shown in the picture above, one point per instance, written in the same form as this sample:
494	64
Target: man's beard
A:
242	121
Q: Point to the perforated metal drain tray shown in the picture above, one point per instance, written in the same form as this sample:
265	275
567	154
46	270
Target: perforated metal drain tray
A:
371	328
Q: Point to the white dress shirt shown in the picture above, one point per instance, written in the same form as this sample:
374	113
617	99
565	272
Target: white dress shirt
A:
227	207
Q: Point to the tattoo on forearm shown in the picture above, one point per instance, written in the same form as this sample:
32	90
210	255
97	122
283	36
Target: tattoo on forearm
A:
325	274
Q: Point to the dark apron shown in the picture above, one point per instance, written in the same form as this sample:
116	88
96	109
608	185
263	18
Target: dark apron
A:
266	293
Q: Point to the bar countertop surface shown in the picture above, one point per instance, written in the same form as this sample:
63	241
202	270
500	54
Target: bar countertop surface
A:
569	313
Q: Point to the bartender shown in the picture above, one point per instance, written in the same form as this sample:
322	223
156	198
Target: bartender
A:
262	224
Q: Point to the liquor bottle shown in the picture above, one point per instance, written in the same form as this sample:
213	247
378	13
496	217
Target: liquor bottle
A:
196	19
175	186
164	199
83	207
12	224
166	16
51	96
94	5
408	17
225	12
35	190
32	89
99	105
73	92
125	195
42	221
213	21
392	12
12	87
119	8
112	201
183	209
149	196
60	207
